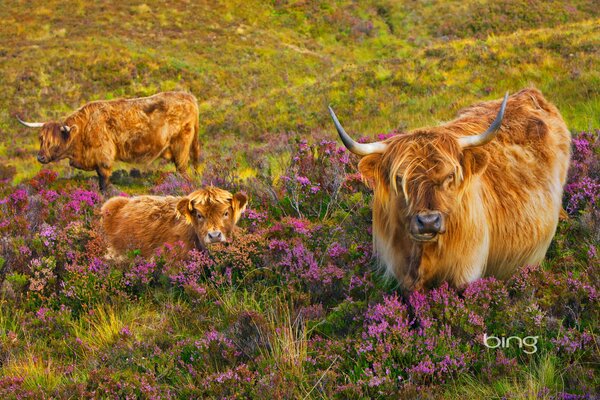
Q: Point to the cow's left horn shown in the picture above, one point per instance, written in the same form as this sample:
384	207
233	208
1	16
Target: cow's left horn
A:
30	124
362	149
491	132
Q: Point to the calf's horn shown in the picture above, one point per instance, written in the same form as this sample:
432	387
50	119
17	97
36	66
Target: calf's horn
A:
491	132
362	149
30	124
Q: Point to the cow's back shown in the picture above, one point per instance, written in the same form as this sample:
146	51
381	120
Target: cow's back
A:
135	130
143	223
523	182
151	124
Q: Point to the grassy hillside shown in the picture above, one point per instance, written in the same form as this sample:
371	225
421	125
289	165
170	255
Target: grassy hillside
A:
267	67
295	308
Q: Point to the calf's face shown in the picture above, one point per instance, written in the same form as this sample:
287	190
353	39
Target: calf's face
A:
213	213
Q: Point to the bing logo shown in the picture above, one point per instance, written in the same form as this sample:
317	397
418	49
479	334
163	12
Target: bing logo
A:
528	343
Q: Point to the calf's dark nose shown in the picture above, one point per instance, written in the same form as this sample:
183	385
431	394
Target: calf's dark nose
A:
428	222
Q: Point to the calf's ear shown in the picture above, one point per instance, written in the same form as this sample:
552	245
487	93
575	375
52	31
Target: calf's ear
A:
238	203
369	169
475	161
184	208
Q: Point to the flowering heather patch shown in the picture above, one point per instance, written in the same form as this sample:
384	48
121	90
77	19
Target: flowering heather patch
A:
213	325
141	273
172	185
255	218
314	179
82	200
583	188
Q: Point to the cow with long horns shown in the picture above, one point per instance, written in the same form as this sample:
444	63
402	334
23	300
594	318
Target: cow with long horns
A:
131	130
477	196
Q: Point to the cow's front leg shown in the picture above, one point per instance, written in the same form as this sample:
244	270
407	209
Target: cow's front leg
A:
103	178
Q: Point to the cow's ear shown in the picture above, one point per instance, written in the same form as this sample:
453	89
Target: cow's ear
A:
475	161
238	203
184	209
369	167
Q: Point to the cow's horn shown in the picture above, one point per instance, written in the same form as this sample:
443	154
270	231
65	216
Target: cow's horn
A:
362	149
30	124
491	132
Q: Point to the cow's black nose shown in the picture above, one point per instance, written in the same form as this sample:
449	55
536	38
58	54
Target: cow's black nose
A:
427	222
214	235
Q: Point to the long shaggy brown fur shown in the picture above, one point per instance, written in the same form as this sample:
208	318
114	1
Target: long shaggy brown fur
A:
501	201
146	223
131	130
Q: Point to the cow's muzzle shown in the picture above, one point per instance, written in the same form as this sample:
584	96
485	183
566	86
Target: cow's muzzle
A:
214	237
425	226
42	158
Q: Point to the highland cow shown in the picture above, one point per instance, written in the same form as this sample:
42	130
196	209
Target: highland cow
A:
146	223
131	130
474	197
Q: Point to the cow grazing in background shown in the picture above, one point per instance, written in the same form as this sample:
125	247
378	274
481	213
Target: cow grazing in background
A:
146	223
131	130
474	197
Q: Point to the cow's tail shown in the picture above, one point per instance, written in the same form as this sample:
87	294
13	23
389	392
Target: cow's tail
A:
195	148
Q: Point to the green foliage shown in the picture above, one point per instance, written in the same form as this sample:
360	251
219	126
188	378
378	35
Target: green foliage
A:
261	67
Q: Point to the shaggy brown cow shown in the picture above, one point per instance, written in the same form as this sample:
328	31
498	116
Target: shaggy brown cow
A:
145	223
132	130
474	197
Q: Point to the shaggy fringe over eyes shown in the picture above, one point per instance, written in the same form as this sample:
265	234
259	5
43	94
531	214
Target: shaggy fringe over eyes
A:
52	136
210	195
413	157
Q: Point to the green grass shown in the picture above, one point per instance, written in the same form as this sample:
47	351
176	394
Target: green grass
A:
36	373
542	374
272	67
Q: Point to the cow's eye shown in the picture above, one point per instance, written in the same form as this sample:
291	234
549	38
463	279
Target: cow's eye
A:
449	179
199	215
226	214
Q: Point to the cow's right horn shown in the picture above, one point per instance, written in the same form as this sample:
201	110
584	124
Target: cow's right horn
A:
362	149
466	142
31	124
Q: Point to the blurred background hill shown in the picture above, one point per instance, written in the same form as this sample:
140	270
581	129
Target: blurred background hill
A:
264	67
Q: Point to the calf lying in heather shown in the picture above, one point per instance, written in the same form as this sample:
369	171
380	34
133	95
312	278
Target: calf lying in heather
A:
146	223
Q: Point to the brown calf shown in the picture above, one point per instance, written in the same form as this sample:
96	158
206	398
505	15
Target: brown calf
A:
145	223
132	130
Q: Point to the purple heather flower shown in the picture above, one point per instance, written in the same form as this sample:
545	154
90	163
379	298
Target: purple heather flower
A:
336	250
304	181
80	198
41	314
48	234
592	252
